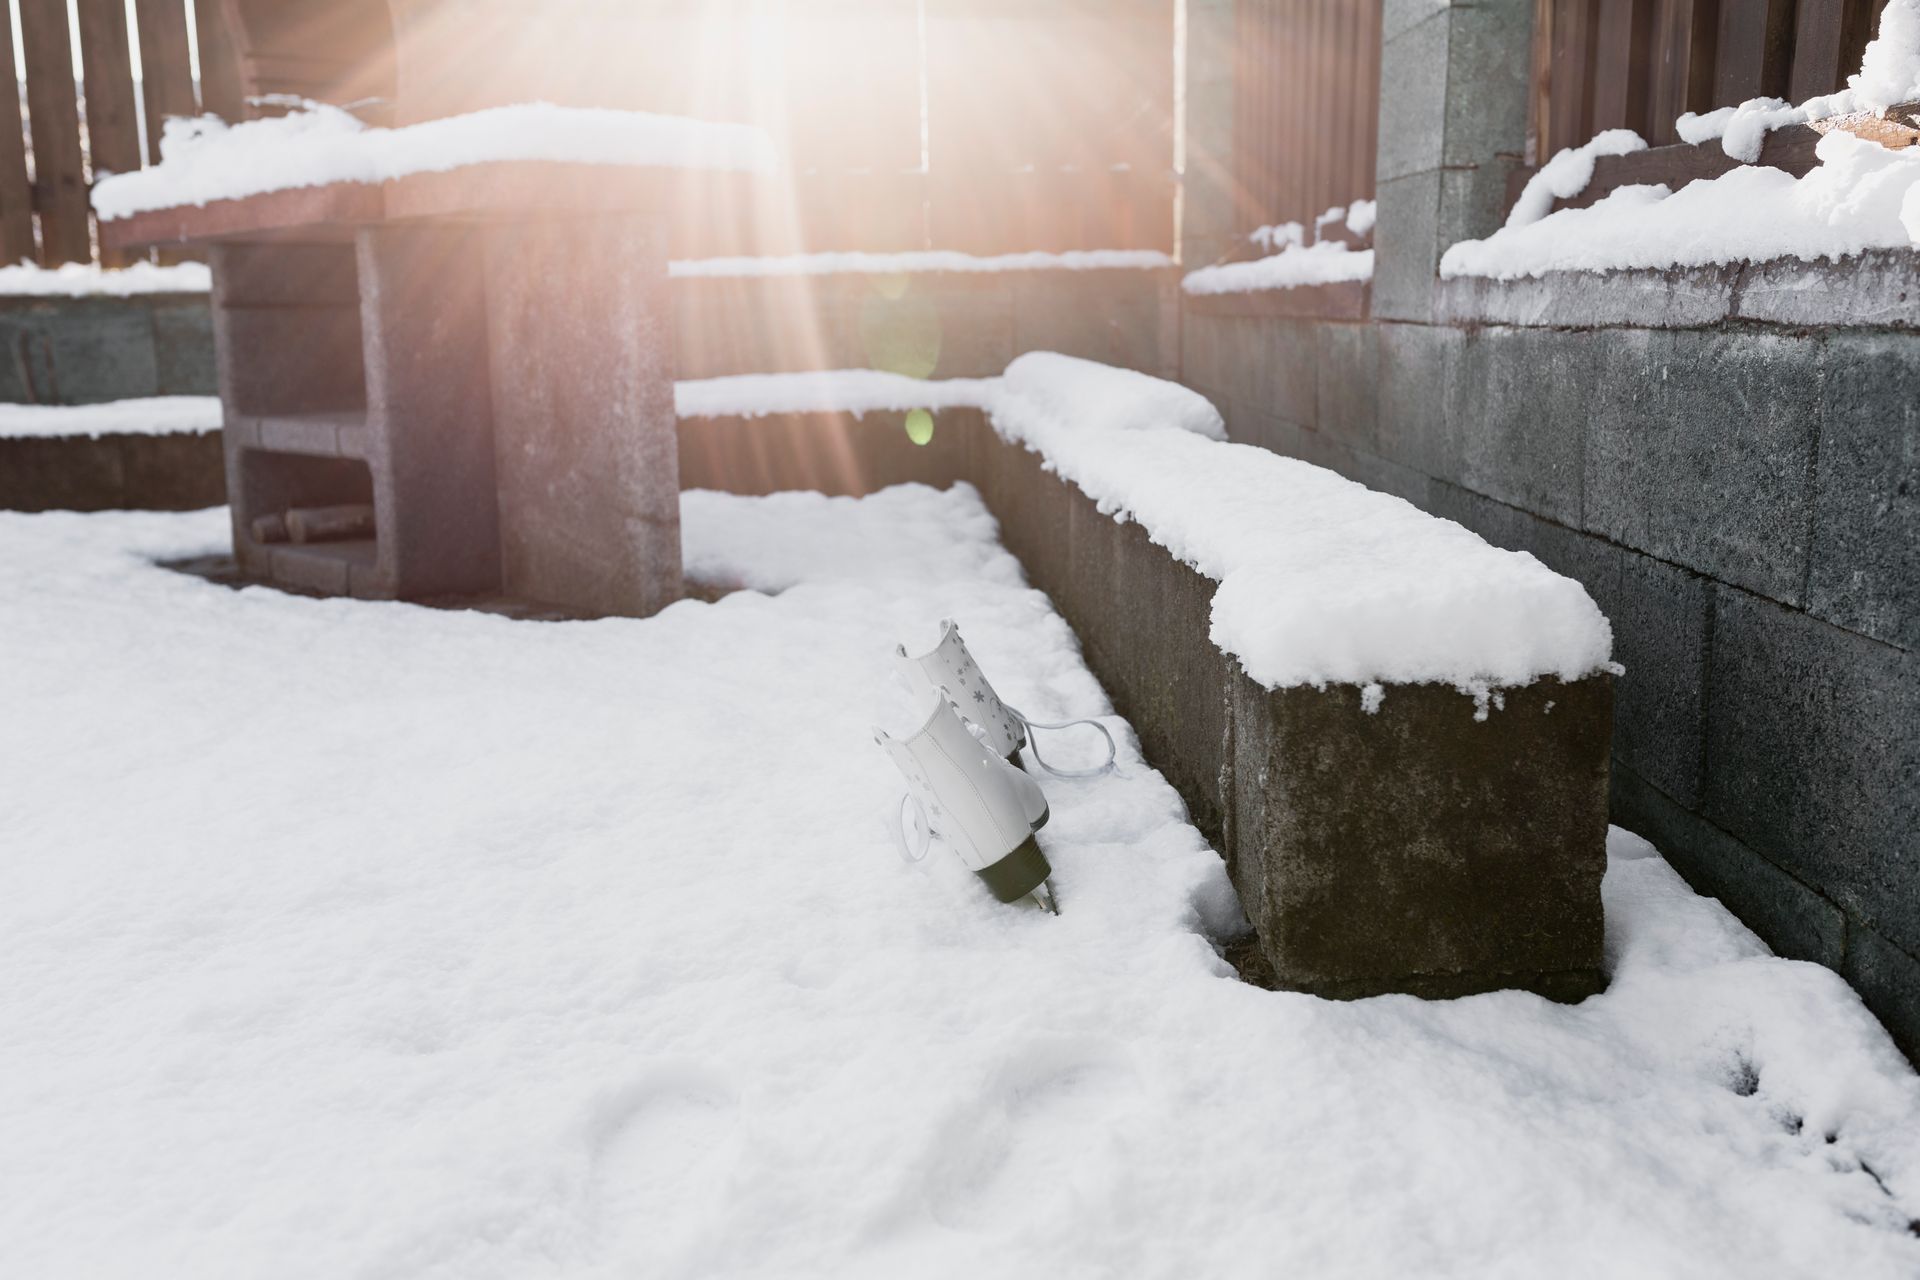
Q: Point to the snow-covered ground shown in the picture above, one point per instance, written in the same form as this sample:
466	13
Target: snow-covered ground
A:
365	940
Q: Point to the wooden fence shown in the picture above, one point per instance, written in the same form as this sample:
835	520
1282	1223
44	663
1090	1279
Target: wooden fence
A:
79	130
989	126
1306	107
1639	64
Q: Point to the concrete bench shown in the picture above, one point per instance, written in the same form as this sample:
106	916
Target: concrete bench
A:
1424	837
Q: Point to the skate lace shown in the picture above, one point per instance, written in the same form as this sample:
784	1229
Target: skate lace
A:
1033	743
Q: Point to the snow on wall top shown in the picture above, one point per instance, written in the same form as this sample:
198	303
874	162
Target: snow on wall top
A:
927	261
1329	262
1321	579
1859	196
1290	262
206	159
76	279
148	416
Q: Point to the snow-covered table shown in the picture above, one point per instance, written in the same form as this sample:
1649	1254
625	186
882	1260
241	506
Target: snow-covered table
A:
478	353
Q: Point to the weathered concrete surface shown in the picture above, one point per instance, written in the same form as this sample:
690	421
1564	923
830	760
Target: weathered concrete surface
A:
429	421
89	350
1418	849
1414	850
830	453
181	472
583	422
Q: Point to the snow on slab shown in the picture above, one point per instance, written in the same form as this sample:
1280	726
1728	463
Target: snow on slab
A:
149	416
854	391
1321	579
925	261
1328	262
1859	196
205	159
80	280
355	939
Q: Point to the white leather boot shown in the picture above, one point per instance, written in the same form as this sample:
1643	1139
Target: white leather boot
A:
949	670
975	801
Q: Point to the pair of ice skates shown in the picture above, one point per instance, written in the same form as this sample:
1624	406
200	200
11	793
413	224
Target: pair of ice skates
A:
965	781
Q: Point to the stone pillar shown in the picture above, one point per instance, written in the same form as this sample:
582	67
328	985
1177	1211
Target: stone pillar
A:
1453	126
581	359
428	439
1206	192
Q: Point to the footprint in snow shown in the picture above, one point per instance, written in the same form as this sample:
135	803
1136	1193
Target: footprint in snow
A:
660	1148
1042	1136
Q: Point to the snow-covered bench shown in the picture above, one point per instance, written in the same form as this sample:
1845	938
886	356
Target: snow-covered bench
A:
1396	733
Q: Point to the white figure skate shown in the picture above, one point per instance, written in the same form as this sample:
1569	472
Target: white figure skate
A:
949	670
975	801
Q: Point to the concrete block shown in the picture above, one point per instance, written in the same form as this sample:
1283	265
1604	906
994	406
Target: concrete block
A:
1321	450
1346	359
432	436
182	472
1811	756
1402	851
1888	979
287	360
1417	367
1690	298
1790	917
1406	250
1489	57
1700	451
76	350
1399	15
1473	203
1519	402
183	347
1878	287
829	453
1659	619
1413	99
1109	316
581	368
1865	570
53	474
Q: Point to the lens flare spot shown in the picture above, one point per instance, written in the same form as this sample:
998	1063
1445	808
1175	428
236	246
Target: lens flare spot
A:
920	426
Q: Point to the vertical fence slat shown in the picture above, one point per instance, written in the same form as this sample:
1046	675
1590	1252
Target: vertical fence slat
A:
1818	26
1367	113
1623	51
16	197
1569	106
220	90
113	125
166	72
53	110
1754	50
1684	31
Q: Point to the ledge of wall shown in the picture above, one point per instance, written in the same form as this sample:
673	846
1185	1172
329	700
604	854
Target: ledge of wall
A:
86	350
1343	301
181	472
1879	288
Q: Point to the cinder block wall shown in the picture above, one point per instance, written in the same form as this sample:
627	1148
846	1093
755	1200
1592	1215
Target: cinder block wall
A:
1742	500
58	350
937	324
